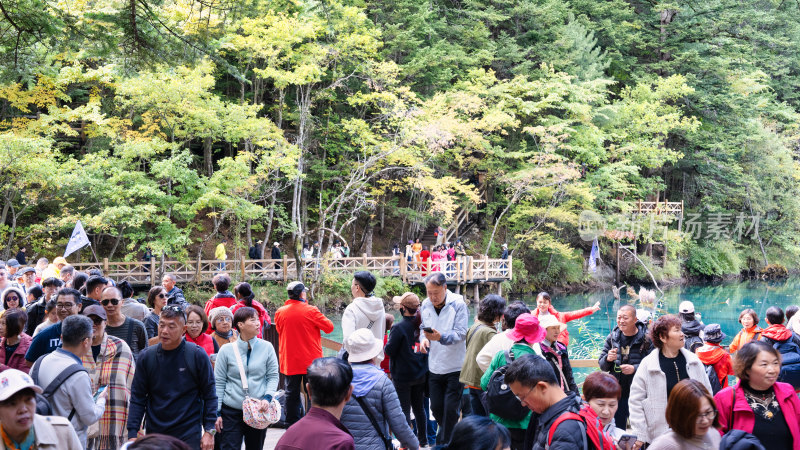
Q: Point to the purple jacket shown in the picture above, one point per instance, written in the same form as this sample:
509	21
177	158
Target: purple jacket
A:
328	433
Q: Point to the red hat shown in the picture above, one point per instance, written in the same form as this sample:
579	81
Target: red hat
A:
527	327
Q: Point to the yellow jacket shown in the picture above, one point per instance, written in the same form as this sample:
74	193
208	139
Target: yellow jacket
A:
219	253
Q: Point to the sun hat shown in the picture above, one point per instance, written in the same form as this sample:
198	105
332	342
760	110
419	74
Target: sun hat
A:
219	312
13	381
527	327
550	320
362	345
686	307
713	333
407	300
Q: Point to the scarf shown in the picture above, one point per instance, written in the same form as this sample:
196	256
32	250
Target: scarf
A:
224	336
28	444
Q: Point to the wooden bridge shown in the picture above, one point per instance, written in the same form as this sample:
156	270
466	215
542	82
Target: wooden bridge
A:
465	270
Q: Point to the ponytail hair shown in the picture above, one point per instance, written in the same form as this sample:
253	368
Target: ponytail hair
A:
246	292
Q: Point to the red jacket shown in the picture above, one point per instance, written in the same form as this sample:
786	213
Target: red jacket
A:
744	419
565	317
714	355
263	315
203	340
17	359
298	325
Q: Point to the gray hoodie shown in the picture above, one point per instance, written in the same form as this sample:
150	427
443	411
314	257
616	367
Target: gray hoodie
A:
365	312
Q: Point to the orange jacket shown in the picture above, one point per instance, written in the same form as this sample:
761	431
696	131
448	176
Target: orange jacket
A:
565	317
743	337
713	355
298	325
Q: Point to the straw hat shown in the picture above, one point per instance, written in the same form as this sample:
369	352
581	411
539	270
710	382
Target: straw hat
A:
550	320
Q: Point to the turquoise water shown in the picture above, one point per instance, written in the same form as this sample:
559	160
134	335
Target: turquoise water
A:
715	302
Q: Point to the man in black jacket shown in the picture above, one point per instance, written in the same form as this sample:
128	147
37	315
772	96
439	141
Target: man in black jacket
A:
625	347
532	380
173	387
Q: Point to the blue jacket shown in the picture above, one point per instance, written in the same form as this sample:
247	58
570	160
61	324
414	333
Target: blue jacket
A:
261	367
446	355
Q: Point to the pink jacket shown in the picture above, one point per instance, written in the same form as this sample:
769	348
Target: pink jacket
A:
743	418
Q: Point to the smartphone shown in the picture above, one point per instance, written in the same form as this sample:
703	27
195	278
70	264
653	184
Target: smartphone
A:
626	442
427	329
99	391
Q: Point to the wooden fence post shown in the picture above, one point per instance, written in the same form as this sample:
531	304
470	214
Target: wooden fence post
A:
197	271
105	267
241	262
364	260
469	268
403	268
152	271
285	269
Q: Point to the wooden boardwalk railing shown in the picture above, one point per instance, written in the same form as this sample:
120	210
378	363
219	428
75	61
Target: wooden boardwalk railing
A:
465	270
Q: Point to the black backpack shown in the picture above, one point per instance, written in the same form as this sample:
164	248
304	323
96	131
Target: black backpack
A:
713	379
498	398
43	405
692	343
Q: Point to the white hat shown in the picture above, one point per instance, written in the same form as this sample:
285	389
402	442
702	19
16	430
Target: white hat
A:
505	245
275	244
686	307
549	320
362	346
13	381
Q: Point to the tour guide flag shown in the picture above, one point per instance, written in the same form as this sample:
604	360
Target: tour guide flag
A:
77	241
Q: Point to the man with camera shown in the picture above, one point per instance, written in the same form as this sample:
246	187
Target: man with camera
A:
625	347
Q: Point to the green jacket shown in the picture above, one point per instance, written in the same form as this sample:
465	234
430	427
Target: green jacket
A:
498	361
477	336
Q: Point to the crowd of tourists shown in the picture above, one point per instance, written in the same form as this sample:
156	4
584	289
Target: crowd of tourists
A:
84	365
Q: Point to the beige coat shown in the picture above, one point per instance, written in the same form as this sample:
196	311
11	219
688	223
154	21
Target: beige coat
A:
55	433
648	399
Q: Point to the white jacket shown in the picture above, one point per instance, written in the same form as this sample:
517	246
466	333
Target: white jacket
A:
648	400
498	342
365	312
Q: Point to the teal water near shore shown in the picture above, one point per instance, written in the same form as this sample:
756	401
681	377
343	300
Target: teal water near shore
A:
715	302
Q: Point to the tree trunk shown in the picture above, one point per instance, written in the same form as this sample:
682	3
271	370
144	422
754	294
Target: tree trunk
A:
368	240
207	155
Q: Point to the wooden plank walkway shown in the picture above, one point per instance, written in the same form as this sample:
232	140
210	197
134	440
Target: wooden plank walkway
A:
465	270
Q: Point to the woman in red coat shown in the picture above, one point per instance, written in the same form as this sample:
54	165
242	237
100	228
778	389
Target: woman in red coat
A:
425	255
13	322
758	404
196	324
245	297
544	307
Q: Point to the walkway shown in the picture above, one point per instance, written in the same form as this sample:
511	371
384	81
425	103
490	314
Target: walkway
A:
466	270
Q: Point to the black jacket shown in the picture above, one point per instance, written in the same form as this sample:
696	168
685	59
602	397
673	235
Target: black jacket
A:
21	258
550	355
568	436
276	253
691	332
405	365
36	313
254	253
640	347
175	297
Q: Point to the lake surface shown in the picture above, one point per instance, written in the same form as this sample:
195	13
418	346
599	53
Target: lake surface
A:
716	302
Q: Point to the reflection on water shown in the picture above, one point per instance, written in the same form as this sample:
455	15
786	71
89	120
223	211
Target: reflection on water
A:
716	303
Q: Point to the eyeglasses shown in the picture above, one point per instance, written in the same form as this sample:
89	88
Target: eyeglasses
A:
224	319
113	301
65	305
526	394
706	416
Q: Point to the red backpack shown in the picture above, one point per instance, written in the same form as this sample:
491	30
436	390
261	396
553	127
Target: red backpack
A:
595	436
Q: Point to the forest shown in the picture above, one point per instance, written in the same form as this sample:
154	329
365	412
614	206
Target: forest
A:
171	124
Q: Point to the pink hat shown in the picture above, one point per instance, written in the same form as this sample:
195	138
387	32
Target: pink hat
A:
527	327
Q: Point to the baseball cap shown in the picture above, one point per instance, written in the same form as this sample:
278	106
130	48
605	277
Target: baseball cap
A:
407	300
26	270
13	381
95	310
296	287
12	263
686	307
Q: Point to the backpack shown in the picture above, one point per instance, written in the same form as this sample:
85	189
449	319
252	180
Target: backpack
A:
43	405
595	436
713	379
498	398
790	362
692	343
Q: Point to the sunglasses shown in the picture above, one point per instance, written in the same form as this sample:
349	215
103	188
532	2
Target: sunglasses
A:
96	320
175	308
162	295
113	301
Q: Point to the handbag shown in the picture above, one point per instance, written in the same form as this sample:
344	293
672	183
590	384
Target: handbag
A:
251	408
